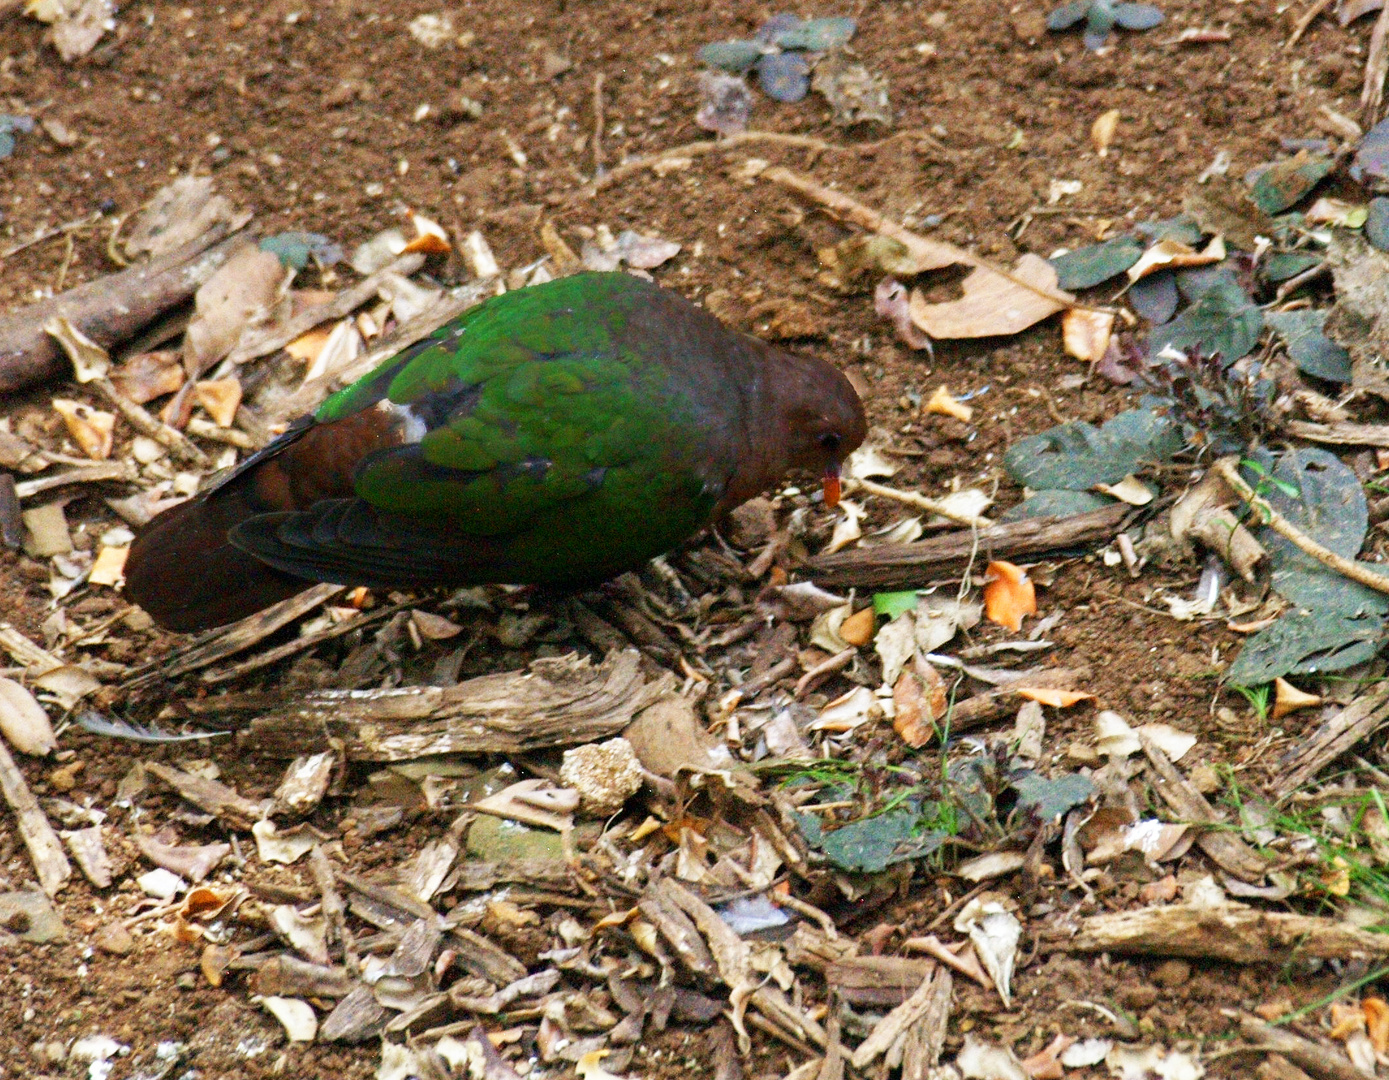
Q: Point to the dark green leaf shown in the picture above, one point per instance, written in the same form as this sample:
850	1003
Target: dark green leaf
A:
1056	503
1051	797
1077	456
1067	15
1288	264
818	35
1286	182
1305	643
1223	321
734	56
1155	297
1377	223
1311	350
872	844
1089	266
295	248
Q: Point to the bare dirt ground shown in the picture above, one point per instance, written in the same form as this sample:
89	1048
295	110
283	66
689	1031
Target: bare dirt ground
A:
306	113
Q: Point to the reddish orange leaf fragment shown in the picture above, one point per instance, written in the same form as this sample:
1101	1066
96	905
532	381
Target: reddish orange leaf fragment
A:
1009	594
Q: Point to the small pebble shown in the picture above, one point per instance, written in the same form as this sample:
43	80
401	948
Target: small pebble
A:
114	939
1171	974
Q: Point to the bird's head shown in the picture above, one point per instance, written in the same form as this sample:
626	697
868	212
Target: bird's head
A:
826	423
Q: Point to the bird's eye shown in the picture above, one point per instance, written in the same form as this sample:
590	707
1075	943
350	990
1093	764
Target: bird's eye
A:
830	441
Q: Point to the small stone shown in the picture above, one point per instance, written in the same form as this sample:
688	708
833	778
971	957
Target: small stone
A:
1171	974
115	939
1140	996
1082	754
65	778
605	775
1162	891
186	981
1205	779
751	524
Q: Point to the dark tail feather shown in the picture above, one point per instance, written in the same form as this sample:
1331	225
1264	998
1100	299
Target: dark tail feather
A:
182	570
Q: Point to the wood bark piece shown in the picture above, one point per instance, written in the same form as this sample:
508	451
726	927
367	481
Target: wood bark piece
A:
901	565
878	980
1225	849
1232	932
1341	433
227	641
929	1007
216	798
108	310
1353	724
51	866
560	701
1320	1061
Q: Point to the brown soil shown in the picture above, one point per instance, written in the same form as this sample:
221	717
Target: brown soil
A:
305	113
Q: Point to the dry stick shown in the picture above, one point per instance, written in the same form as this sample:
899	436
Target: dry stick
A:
699	149
1358	572
1376	68
107	310
86	474
50	864
48	234
836	662
932	254
917	500
1308	18
597	127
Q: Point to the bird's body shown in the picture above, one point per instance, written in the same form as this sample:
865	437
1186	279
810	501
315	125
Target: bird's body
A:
554	435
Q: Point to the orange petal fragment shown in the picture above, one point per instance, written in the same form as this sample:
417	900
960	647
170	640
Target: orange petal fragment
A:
1009	595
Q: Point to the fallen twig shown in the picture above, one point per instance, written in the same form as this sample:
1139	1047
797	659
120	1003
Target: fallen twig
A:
1353	724
1307	19
928	254
559	701
50	864
1321	1061
699	149
917	501
905	564
1341	433
107	310
1228	469
272	338
228	641
85	474
1376	68
1236	933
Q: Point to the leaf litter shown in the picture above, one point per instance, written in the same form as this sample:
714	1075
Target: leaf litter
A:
827	825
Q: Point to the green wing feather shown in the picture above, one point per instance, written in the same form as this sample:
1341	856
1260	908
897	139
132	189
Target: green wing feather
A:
548	427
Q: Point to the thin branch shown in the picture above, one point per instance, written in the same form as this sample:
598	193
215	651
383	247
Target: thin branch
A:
1359	572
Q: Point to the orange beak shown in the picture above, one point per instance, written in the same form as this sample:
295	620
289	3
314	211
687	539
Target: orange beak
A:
831	487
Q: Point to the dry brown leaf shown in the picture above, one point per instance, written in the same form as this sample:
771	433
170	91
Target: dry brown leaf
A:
430	237
1009	595
920	701
220	397
992	305
307	346
1376	1012
238	296
858	628
1102	131
1086	334
146	376
945	404
1173	253
90	428
1287	698
1130	490
109	567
